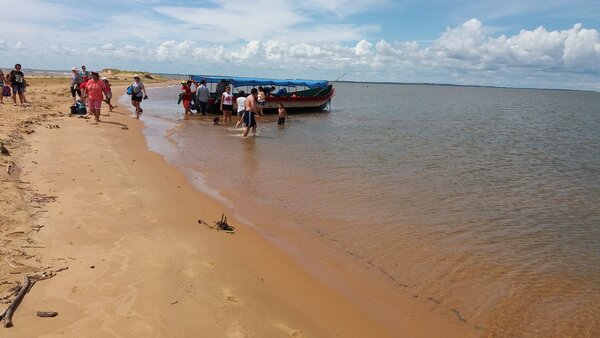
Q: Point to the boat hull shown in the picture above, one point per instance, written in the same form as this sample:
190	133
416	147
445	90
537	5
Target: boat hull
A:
297	104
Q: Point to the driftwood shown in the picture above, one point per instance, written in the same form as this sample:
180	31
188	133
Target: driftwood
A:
220	225
27	285
7	315
47	313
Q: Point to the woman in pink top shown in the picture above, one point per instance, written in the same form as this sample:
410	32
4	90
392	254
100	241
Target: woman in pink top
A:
94	89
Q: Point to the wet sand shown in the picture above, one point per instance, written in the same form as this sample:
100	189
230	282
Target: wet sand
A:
123	224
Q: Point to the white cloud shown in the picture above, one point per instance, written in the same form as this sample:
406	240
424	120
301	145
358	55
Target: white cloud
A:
299	38
363	48
341	8
108	46
63	50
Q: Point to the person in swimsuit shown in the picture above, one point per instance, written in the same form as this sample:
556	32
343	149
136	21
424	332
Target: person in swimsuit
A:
282	115
251	111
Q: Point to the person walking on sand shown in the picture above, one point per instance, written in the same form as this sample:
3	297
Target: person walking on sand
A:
94	89
138	93
85	73
202	94
108	95
3	83
251	111
227	105
282	115
18	83
76	80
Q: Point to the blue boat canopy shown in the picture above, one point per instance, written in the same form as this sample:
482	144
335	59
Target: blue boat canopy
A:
252	82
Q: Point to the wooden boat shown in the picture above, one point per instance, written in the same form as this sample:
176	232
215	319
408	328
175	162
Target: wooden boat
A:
295	95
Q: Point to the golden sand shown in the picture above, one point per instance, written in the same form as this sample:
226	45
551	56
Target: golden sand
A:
91	198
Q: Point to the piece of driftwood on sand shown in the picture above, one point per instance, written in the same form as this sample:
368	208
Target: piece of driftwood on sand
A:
221	225
47	313
8	313
28	283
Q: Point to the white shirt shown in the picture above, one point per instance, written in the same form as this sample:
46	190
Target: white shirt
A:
241	103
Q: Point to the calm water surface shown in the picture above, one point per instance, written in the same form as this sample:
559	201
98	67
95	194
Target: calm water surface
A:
482	200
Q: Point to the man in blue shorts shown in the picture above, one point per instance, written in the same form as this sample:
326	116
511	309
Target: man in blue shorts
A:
251	111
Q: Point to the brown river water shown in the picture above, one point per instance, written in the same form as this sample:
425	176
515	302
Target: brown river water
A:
481	200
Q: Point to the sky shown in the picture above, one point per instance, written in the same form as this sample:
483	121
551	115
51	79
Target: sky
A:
511	43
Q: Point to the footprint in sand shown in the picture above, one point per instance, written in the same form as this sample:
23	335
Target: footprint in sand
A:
233	299
288	330
209	264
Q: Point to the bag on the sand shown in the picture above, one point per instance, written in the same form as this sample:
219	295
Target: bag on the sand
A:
6	91
73	110
80	106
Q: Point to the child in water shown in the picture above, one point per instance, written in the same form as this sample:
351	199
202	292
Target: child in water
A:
282	115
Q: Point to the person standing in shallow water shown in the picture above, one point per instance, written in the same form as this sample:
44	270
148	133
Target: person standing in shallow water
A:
202	94
187	96
282	115
227	105
138	94
249	117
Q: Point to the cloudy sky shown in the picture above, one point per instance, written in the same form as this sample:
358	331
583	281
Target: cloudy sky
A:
521	43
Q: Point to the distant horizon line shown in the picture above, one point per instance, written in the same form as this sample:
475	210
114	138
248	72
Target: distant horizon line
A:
67	71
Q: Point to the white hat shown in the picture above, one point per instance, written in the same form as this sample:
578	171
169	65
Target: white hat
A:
136	76
103	79
74	68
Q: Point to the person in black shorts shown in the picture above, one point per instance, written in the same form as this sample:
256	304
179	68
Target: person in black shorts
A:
251	111
282	115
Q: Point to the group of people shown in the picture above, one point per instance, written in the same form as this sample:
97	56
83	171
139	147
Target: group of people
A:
89	90
248	107
14	84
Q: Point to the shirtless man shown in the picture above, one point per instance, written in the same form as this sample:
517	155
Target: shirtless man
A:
251	111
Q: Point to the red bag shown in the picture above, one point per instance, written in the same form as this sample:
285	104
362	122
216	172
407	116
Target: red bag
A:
6	91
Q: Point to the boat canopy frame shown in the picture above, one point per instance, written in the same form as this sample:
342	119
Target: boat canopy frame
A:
253	82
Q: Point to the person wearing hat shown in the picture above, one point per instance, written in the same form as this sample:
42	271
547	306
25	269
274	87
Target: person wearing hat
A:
138	93
75	82
93	91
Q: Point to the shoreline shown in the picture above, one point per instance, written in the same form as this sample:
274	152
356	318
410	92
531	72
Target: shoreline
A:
124	222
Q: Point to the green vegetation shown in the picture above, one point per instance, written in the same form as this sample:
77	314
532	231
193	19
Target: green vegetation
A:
121	71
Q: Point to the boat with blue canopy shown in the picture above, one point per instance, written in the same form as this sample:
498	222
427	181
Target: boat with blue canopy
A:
296	95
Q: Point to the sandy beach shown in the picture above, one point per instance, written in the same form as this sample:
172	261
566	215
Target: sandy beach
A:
117	228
